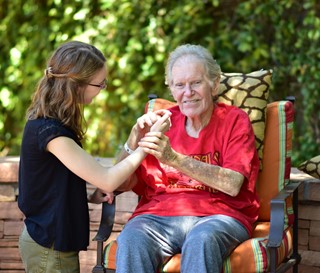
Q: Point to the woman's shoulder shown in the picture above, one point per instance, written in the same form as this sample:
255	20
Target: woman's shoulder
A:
44	123
49	126
42	120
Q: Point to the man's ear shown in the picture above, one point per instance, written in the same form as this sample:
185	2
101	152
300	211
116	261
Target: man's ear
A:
215	87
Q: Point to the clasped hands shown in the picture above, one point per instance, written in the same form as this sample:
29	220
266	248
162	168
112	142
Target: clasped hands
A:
154	141
150	129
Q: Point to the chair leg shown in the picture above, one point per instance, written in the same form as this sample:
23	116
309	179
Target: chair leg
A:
273	265
101	269
98	267
295	253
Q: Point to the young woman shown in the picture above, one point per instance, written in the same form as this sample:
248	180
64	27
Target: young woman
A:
54	168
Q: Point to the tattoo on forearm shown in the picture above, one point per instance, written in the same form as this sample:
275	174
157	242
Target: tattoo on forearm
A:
213	176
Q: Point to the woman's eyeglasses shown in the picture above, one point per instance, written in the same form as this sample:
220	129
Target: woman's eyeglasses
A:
101	86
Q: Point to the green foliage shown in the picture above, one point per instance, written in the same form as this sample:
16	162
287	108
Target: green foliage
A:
137	36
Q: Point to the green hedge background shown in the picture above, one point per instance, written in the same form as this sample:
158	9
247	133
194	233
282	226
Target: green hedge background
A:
136	37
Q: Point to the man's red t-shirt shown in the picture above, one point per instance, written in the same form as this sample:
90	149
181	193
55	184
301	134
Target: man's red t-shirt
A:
227	141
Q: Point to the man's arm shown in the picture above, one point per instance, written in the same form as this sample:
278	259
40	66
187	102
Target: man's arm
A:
219	178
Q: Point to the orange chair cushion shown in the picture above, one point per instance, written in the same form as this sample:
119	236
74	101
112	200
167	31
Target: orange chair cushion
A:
277	154
249	257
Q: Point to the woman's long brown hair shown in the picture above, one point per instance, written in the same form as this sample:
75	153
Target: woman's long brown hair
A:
58	95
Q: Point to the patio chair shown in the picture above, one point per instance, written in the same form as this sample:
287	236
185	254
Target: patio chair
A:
274	244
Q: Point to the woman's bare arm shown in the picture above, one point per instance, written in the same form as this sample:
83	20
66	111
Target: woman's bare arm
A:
85	166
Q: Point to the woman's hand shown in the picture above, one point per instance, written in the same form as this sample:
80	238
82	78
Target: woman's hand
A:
155	142
152	121
99	197
163	122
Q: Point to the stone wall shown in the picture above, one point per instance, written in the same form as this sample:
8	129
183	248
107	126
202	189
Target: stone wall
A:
309	222
11	220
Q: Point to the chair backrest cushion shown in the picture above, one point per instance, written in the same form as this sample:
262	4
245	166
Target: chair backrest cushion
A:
249	92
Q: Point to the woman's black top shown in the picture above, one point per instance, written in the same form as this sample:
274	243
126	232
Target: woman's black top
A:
52	198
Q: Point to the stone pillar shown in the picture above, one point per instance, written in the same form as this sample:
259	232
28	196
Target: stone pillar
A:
11	218
309	221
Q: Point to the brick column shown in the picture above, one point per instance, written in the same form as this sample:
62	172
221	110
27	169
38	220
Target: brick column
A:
11	218
309	221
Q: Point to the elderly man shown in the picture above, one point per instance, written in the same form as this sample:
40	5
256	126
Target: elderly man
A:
197	184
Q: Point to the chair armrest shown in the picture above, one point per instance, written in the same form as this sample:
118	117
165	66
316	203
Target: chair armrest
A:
105	228
107	220
278	207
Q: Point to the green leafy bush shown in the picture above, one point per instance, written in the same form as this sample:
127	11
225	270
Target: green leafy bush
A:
136	37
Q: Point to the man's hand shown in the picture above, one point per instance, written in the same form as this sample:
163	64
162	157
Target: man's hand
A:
157	121
158	145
